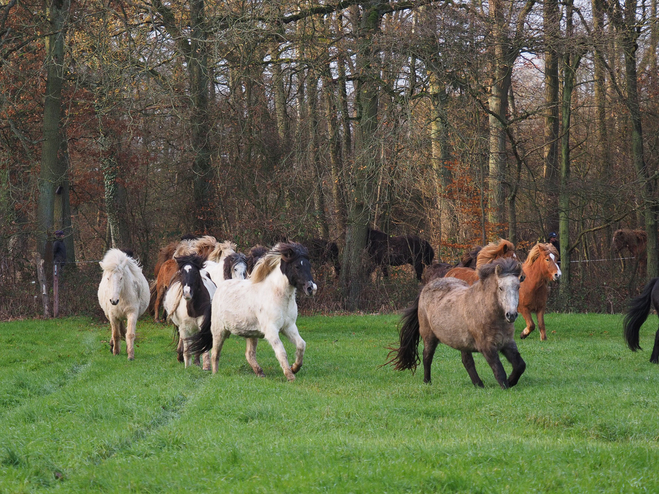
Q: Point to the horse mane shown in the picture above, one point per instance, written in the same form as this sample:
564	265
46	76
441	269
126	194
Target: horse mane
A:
255	253
494	250
220	249
286	252
538	249
194	259
184	248
507	266
117	258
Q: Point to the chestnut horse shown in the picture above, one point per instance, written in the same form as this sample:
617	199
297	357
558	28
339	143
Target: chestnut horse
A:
540	268
476	318
492	251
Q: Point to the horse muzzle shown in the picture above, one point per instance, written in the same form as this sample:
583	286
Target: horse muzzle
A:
511	316
114	301
310	288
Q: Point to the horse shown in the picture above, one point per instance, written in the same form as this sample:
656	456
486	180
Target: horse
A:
540	267
435	270
632	241
207	247
261	306
123	294
395	251
470	318
188	302
487	254
637	312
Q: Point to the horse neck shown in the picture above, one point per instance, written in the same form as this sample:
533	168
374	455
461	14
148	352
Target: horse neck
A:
484	295
278	284
534	274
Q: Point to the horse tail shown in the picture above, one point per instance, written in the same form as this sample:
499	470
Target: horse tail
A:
406	356
203	340
637	312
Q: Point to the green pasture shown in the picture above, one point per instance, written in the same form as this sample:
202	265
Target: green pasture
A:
73	418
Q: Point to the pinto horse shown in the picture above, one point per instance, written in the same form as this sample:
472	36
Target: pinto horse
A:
395	251
207	247
123	294
469	318
540	268
637	313
487	254
188	302
261	306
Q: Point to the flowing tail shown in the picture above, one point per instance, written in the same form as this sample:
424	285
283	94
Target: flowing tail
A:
203	340
637	313
406	356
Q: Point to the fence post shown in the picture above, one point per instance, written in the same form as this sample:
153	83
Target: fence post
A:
55	290
41	275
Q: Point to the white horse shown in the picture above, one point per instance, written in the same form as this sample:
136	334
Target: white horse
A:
261	307
188	303
231	266
124	296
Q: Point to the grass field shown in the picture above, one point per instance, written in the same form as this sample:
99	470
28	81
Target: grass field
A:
73	418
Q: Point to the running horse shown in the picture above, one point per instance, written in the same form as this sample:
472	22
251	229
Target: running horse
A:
540	268
636	315
470	318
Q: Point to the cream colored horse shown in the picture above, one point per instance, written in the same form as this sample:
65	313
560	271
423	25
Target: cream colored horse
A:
123	294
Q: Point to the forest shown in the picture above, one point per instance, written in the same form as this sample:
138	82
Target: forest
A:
129	123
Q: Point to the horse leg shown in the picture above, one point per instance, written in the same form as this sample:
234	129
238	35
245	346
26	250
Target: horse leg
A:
130	335
429	346
115	340
519	366
541	324
654	358
250	355
218	341
418	267
468	362
156	304
179	350
492	357
528	318
272	337
294	337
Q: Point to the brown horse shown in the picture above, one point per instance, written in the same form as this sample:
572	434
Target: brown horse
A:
476	318
540	268
493	250
633	242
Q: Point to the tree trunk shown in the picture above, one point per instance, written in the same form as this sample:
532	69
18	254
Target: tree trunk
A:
551	35
365	168
53	168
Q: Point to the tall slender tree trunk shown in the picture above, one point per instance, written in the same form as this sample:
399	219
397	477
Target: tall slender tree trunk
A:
552	36
53	172
365	168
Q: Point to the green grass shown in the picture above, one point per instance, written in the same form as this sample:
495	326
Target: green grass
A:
73	418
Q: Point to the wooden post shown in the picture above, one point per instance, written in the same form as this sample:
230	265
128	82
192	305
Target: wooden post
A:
56	290
41	275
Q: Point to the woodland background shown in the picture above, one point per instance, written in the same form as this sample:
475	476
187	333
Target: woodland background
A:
130	123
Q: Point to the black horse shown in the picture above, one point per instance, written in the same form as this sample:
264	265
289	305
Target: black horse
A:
395	251
323	252
637	313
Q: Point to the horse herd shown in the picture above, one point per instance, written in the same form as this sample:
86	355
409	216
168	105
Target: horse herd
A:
209	291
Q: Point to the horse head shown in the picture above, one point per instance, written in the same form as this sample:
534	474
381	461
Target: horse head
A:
507	274
113	265
235	266
551	261
296	267
189	267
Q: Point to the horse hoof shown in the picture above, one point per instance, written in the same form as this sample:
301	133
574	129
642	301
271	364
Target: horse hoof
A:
524	334
291	378
131	358
295	368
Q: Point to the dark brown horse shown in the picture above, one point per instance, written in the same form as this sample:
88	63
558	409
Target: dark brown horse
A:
540	268
323	252
636	315
632	243
476	318
494	250
387	251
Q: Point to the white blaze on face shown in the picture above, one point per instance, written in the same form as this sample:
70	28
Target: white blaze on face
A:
186	288
558	273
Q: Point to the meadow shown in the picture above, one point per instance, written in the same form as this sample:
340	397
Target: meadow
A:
74	418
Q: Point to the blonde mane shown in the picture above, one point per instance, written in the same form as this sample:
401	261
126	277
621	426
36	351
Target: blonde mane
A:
265	265
494	250
117	259
222	249
539	249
